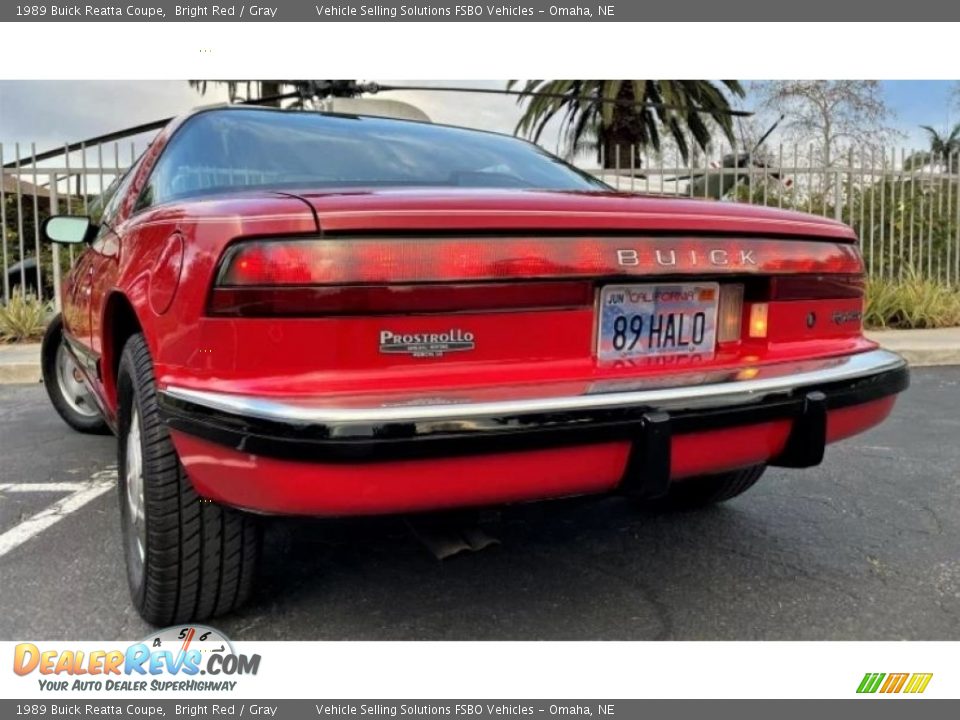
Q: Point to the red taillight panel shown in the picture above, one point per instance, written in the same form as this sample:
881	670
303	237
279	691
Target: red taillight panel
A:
815	287
358	261
389	299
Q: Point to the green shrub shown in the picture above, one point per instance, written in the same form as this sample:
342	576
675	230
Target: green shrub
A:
23	318
912	302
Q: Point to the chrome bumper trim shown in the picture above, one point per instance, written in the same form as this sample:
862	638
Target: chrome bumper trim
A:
702	396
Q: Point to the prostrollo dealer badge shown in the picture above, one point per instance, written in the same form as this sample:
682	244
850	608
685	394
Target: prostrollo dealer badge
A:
192	658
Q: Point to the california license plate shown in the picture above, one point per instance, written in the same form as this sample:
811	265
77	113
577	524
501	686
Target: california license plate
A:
657	319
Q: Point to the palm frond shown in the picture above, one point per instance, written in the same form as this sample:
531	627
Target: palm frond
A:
618	113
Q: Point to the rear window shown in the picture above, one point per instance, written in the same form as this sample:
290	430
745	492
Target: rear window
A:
220	151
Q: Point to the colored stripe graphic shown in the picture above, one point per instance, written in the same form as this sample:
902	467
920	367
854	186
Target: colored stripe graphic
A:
918	682
870	683
894	683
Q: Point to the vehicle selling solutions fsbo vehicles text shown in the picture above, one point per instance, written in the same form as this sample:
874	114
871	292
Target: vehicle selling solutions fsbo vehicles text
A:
469	10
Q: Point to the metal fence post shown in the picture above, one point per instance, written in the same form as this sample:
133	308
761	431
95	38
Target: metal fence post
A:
3	229
837	195
55	210
36	222
23	253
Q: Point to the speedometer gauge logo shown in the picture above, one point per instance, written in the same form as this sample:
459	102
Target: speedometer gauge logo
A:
203	639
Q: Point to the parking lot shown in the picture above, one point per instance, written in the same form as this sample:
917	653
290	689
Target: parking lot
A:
865	547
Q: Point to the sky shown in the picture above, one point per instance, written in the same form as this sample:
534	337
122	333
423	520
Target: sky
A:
51	113
922	102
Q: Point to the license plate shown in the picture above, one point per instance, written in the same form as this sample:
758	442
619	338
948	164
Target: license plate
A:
657	319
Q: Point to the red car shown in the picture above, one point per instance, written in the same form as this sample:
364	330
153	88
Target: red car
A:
312	314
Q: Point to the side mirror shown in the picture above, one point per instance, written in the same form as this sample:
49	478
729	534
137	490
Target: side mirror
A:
68	229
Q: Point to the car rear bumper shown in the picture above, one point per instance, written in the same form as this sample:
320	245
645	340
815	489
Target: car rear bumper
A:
396	453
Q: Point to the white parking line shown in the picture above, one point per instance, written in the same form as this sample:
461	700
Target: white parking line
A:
44	487
82	493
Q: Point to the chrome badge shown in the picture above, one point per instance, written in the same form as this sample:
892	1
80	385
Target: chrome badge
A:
426	345
718	257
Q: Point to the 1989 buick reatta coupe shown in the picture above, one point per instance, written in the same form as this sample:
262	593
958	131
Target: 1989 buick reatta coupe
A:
312	314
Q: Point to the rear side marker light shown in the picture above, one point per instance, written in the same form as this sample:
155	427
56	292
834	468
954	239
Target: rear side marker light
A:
729	313
758	320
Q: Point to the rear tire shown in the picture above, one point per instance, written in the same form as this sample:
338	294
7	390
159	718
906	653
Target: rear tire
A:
698	492
71	399
187	558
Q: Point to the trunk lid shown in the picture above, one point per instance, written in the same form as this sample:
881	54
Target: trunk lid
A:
451	211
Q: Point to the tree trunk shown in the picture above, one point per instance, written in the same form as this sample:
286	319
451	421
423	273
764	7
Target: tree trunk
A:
269	88
616	154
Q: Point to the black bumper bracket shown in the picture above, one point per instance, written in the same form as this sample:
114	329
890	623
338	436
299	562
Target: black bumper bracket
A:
808	437
648	468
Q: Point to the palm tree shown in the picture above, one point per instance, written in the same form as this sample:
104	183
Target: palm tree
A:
609	115
943	148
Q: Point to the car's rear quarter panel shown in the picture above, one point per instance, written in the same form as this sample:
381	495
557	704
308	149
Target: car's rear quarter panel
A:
179	337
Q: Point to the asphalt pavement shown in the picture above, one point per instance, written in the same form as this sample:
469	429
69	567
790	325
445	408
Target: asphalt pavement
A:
864	547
